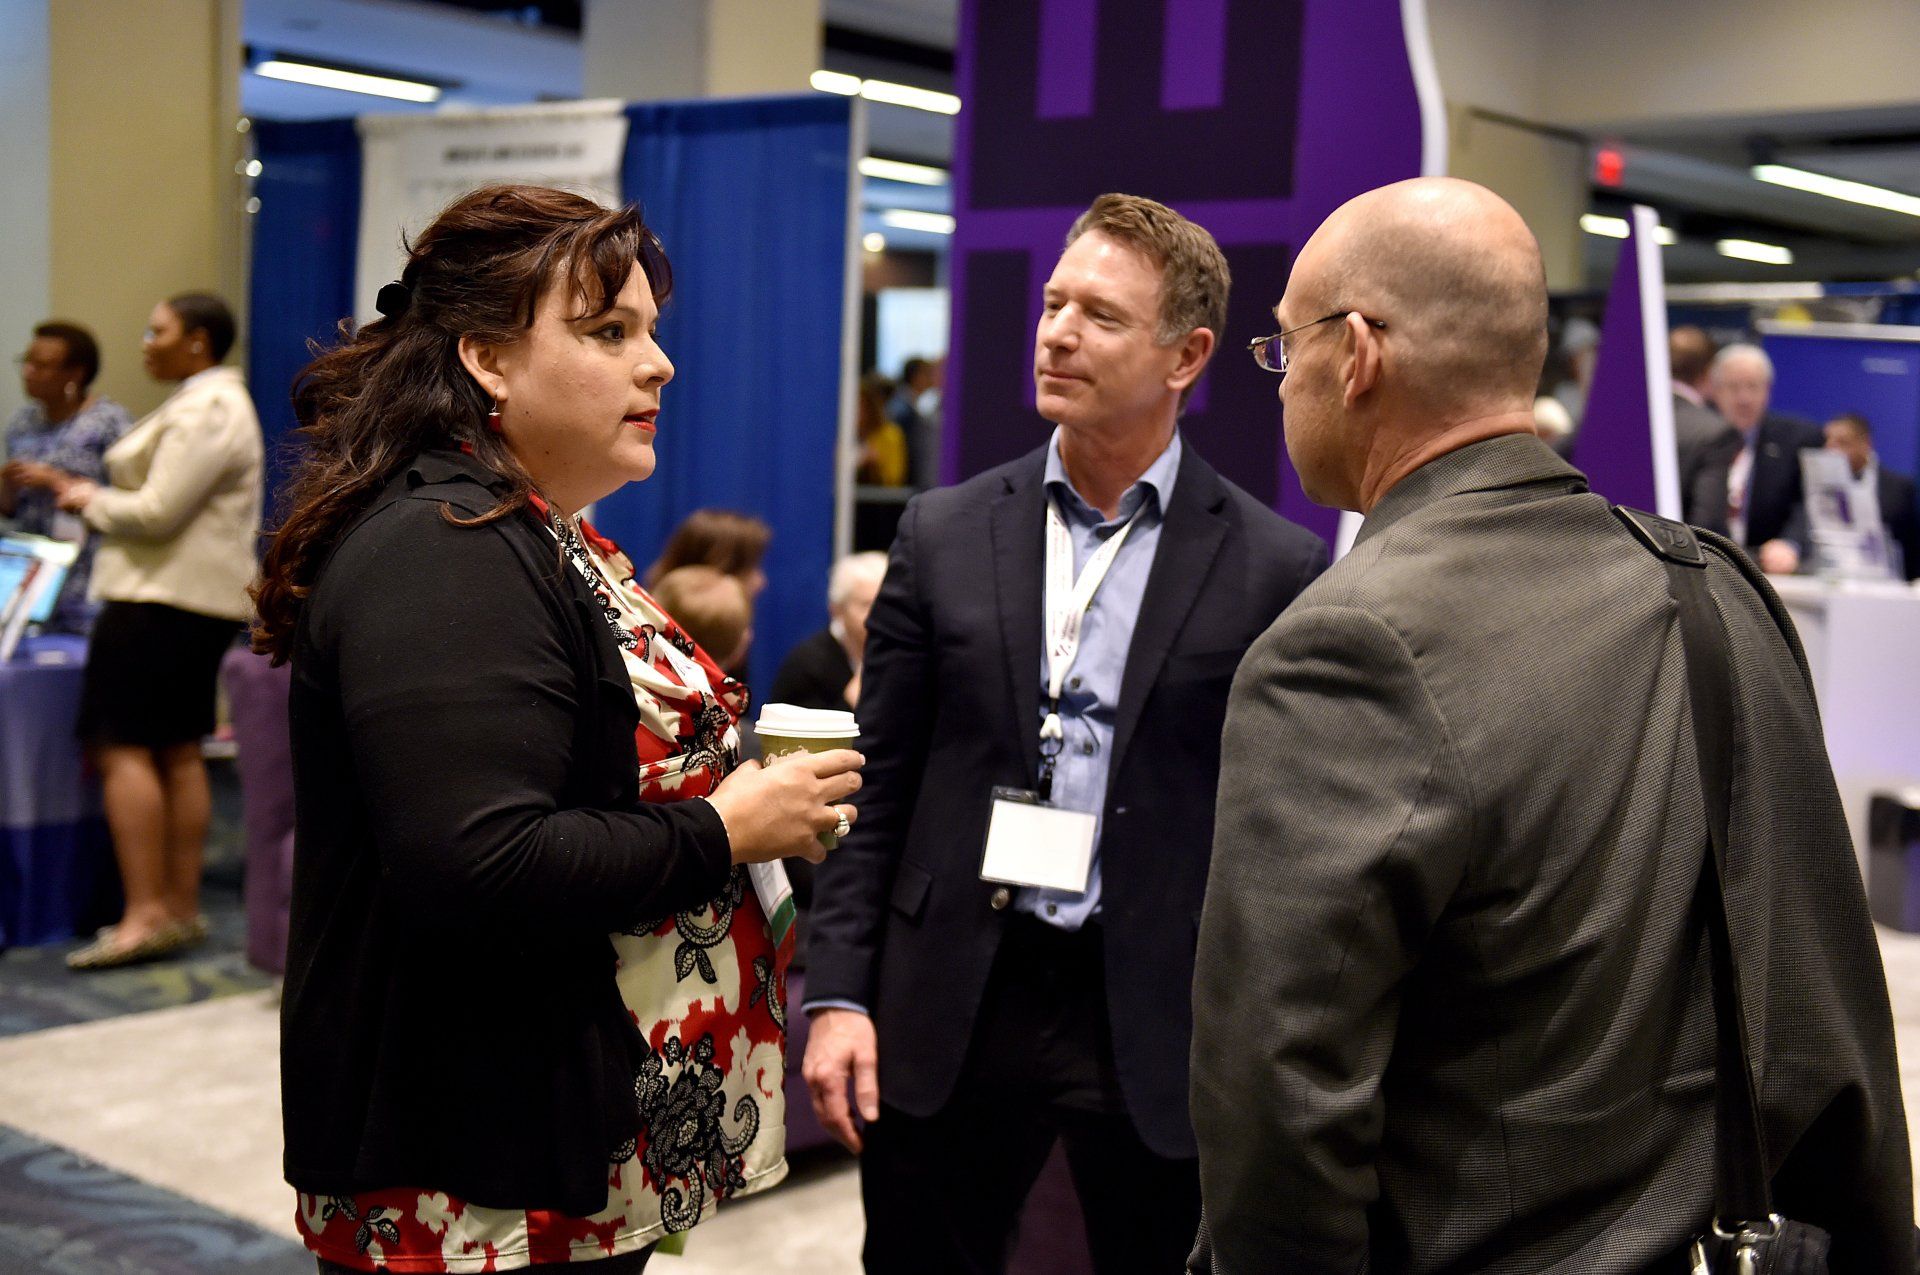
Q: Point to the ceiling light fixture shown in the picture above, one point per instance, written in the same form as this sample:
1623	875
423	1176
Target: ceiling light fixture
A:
907	95
874	241
835	82
910	219
894	170
1616	228
1767	254
885	91
327	77
1838	188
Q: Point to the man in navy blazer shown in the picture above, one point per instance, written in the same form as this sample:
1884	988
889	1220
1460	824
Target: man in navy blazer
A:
977	1021
1751	494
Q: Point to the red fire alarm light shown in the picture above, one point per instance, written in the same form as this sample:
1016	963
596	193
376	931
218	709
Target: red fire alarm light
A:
1608	164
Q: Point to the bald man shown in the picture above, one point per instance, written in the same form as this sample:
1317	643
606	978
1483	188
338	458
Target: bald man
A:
1451	1007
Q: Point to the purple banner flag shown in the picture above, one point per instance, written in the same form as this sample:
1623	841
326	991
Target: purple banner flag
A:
1256	118
1626	442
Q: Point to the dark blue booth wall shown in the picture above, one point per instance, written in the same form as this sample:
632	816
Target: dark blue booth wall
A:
751	200
1819	377
303	261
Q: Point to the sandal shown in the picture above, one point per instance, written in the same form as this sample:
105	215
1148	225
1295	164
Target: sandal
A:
105	954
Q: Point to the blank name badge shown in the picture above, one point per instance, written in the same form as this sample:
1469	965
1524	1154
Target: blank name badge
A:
1032	843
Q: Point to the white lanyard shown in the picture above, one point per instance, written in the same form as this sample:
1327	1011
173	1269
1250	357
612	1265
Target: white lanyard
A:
691	675
1068	601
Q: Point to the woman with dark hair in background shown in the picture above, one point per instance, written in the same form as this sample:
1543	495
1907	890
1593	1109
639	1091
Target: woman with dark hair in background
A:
176	521
731	542
533	1009
60	435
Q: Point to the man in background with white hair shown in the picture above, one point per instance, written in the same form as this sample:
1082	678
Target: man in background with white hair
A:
1751	497
823	671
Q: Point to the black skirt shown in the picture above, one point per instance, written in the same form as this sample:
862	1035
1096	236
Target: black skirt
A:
151	671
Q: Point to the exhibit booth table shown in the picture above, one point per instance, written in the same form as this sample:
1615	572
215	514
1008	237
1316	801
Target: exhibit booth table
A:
54	848
1861	639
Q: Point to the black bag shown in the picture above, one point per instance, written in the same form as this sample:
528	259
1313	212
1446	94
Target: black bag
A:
1745	1237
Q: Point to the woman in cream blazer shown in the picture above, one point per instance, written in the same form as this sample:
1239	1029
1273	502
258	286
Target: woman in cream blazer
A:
176	526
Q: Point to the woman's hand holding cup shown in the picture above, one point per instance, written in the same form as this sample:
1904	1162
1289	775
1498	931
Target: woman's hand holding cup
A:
779	811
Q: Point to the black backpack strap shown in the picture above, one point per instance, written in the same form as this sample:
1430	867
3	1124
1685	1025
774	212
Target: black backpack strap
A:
1742	1194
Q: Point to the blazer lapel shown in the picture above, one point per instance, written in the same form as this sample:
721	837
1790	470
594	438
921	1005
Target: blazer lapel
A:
1018	522
1190	536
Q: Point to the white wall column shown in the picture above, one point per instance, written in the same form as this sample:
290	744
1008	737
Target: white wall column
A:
675	49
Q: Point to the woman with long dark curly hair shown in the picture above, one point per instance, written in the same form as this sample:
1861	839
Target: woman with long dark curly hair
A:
534	1008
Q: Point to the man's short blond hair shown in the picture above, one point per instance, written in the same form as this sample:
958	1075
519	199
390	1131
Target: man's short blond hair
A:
1194	279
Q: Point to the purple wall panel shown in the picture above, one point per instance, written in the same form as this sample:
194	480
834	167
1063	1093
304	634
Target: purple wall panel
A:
1065	50
1615	444
1256	118
1193	55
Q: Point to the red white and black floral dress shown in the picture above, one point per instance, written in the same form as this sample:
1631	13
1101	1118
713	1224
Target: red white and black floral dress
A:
706	988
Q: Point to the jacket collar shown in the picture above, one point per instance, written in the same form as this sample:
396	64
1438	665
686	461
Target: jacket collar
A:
448	465
1511	460
1159	480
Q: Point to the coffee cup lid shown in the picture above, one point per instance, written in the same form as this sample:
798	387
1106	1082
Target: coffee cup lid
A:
806	723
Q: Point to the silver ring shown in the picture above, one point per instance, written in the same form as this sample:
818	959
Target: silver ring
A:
845	825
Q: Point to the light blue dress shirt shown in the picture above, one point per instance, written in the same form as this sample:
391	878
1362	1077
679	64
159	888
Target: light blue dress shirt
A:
1090	700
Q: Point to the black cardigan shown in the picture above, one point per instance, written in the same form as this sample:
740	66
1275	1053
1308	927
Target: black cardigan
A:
468	831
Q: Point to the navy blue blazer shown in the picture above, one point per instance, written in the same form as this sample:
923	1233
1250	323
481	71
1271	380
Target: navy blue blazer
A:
1774	491
949	706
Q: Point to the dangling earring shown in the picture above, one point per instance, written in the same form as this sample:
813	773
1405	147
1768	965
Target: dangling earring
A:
493	417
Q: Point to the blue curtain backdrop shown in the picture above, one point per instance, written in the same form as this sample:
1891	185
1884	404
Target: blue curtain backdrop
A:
303	264
750	199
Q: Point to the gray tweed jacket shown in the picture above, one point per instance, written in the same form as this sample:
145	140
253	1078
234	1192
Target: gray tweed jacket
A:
1452	1007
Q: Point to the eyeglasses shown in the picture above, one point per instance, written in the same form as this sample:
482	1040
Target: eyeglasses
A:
1270	352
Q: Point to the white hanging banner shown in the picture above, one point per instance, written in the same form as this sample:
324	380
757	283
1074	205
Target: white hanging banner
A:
413	166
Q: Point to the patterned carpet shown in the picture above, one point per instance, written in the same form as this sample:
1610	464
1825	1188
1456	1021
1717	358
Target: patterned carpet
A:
64	1214
61	1214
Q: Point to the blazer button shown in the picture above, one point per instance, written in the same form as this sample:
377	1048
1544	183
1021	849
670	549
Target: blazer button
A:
1000	898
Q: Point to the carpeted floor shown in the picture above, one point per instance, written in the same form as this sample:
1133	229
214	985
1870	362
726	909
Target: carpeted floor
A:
38	991
62	1214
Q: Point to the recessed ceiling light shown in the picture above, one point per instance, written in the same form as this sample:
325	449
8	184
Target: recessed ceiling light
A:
912	219
907	95
1838	188
1767	254
894	170
1616	228
328	77
835	82
885	91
